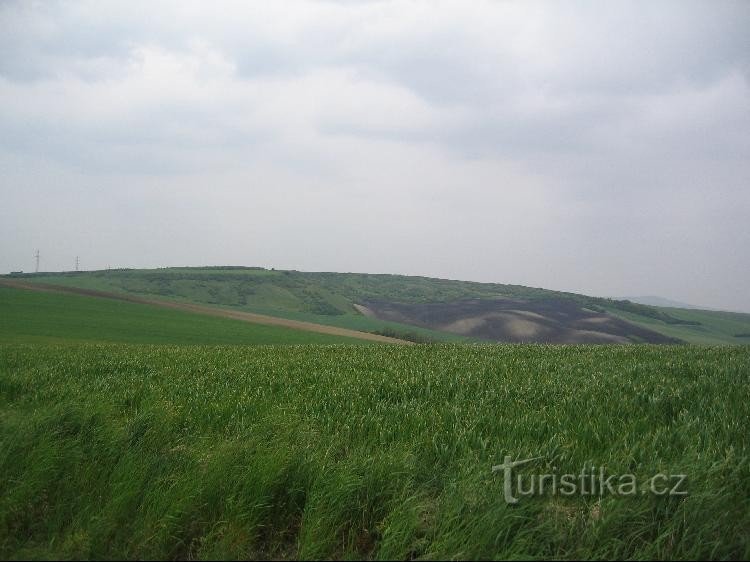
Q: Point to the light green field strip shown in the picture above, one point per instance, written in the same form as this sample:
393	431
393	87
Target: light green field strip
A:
43	315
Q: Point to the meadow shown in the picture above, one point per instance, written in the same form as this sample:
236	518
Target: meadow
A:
372	452
700	326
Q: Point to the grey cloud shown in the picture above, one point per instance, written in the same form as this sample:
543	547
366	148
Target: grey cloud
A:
575	146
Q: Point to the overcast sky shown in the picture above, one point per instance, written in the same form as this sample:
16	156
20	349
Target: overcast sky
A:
601	148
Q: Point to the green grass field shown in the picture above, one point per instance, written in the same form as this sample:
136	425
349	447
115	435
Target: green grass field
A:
39	317
122	451
712	327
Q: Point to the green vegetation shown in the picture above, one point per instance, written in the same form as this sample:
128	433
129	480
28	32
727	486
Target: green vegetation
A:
324	298
305	292
409	335
328	298
651	312
34	316
698	326
118	451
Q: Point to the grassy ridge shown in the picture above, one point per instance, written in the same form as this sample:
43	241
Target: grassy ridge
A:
310	297
372	451
34	316
327	298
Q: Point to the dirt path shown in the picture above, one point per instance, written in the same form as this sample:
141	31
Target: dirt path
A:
208	310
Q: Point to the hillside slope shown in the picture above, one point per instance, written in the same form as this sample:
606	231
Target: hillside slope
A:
33	316
700	326
336	299
518	321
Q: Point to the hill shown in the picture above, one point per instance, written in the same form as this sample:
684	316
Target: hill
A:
28	316
425	308
651	300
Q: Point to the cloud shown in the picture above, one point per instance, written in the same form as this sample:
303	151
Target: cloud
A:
594	148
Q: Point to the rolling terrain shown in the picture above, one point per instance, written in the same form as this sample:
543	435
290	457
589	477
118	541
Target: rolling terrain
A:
44	316
416	308
517	321
700	326
651	300
144	416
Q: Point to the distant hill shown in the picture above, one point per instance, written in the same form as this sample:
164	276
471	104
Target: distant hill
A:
417	308
662	302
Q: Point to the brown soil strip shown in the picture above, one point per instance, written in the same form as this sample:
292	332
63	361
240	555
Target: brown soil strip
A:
209	310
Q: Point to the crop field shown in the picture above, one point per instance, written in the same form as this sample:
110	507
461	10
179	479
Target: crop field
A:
369	452
49	317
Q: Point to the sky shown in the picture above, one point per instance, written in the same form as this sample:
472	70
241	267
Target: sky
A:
599	148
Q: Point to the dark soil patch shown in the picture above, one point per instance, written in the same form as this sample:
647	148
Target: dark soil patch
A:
516	320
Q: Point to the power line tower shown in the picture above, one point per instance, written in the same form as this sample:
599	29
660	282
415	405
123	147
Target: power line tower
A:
36	255
76	263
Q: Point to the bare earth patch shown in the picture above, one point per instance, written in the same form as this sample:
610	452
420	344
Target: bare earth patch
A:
516	320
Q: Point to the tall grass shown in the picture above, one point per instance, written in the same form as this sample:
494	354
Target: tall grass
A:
367	452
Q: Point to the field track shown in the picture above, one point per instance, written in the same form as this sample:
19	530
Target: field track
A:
209	310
